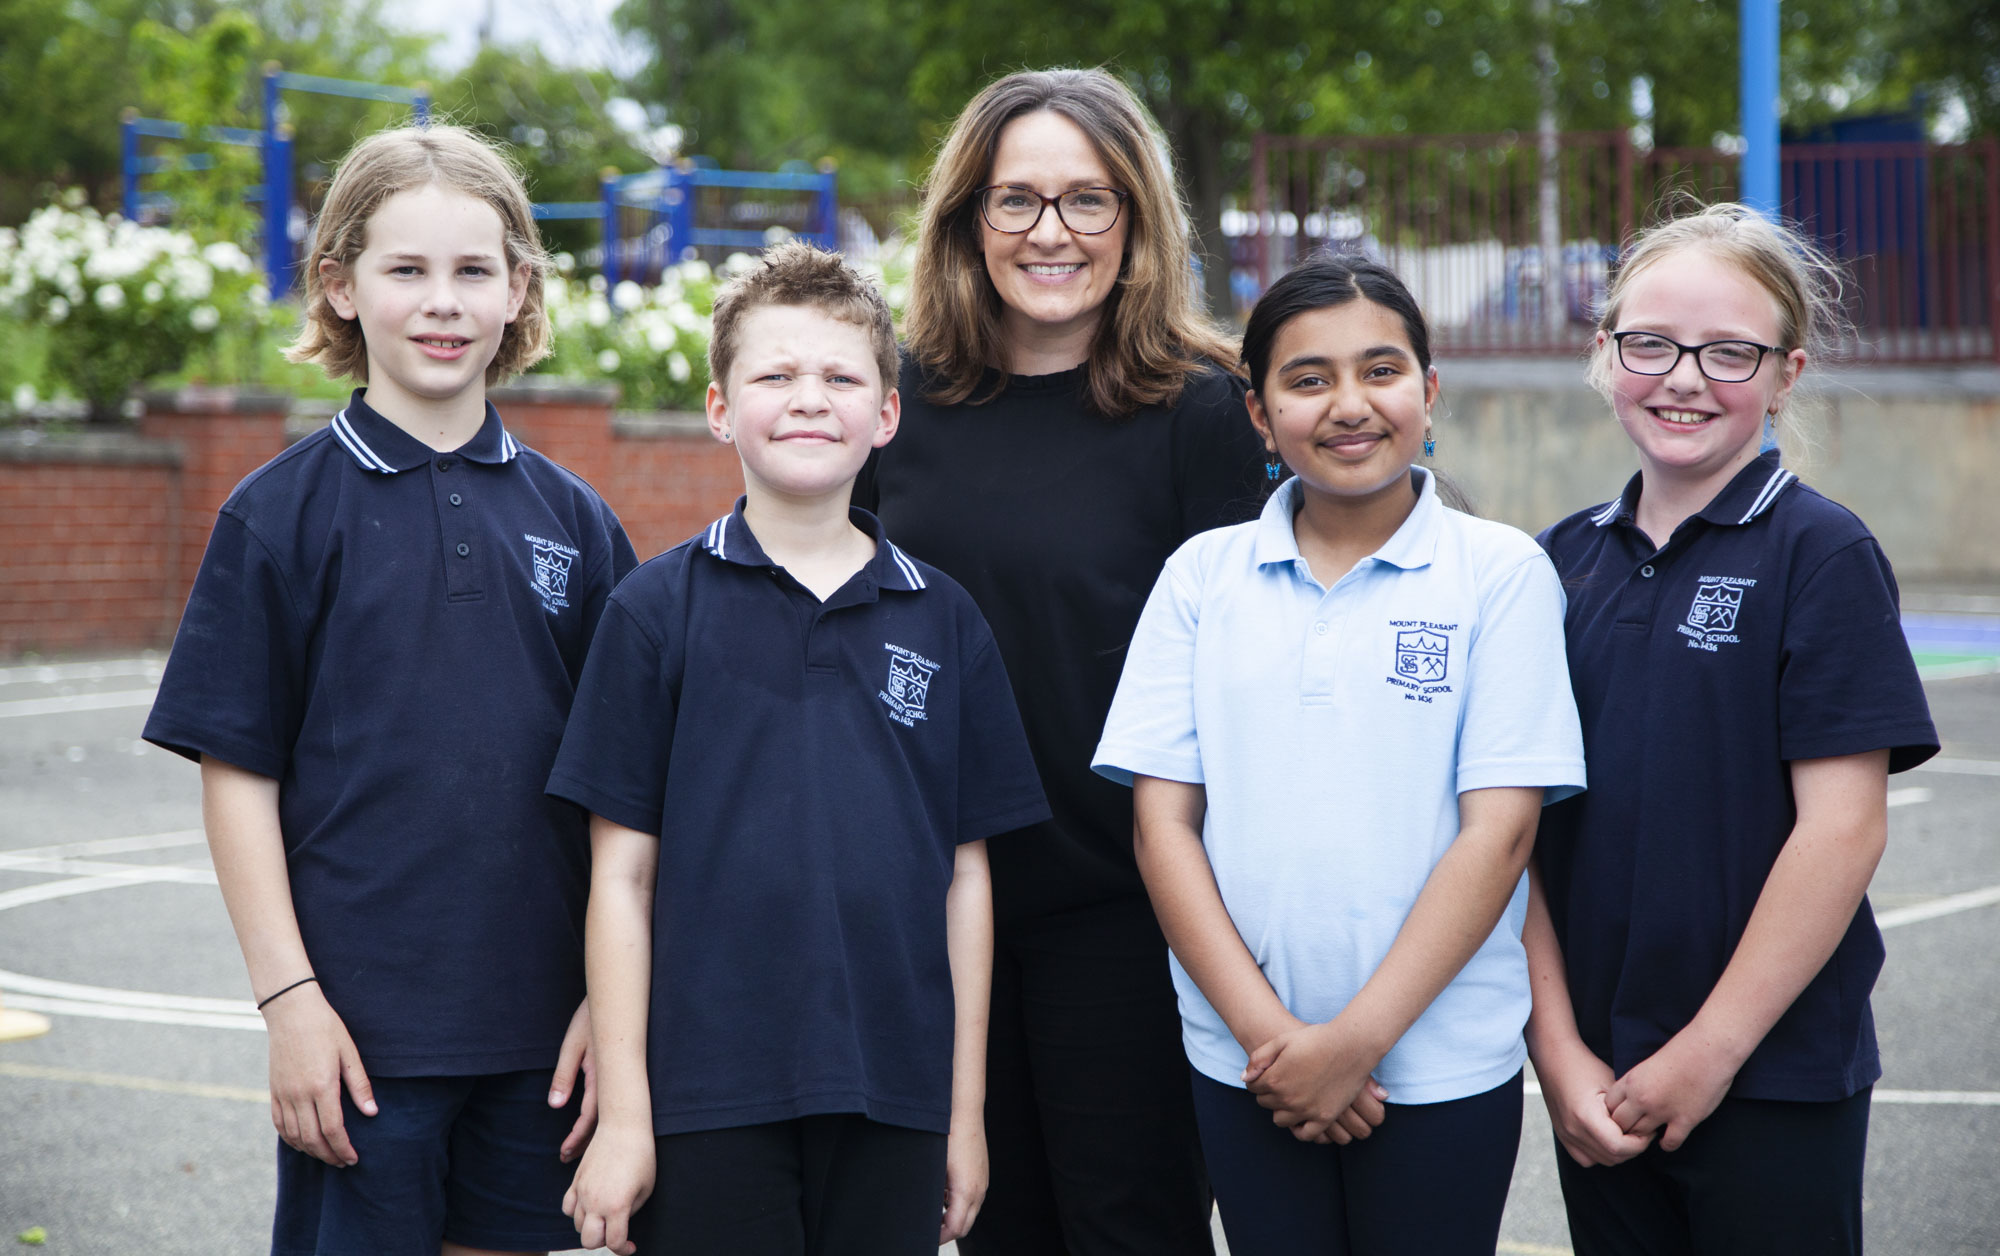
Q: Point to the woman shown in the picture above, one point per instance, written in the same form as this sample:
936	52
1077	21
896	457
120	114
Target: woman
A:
1066	426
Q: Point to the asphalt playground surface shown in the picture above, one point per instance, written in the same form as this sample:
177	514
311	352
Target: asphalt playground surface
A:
140	1124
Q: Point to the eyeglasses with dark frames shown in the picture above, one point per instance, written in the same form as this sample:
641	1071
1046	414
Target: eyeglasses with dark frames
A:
1014	210
1724	361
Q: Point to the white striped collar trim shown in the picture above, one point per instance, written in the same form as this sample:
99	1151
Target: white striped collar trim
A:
716	540
908	568
1780	480
1610	511
344	432
510	448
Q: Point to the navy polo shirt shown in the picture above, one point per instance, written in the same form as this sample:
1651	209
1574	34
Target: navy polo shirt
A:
810	768
395	634
1764	631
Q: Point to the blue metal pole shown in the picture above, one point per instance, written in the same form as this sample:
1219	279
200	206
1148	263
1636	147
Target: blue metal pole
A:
826	212
679	197
1759	74
421	106
280	270
128	163
608	186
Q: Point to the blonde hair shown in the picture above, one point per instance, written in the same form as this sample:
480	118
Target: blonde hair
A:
797	273
1807	286
1154	332
399	160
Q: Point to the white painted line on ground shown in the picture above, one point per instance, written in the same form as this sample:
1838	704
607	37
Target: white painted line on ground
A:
138	875
1507	1248
1909	797
161	1085
1950	904
104	669
77	702
1970	1098
146	1015
1960	767
98	867
110	846
1958	671
21	983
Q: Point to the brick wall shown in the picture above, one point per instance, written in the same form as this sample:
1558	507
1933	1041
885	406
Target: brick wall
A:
101	533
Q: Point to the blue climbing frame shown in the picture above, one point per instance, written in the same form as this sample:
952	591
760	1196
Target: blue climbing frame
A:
668	195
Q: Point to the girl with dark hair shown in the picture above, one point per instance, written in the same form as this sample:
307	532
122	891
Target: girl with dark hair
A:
1067	422
1340	723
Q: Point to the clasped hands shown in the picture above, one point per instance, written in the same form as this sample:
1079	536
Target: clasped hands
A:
1314	1080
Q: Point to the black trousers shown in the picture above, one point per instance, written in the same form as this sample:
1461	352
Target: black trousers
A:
1759	1177
1432	1178
1088	1118
839	1185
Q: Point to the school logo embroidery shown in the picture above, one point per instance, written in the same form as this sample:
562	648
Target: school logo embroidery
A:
1423	658
909	685
1711	620
552	563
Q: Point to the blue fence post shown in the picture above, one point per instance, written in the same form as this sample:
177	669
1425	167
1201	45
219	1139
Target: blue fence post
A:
420	107
280	269
608	189
1758	70
825	210
128	162
679	197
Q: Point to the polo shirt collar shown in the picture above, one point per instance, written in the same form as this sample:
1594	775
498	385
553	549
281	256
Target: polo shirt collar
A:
730	539
1413	545
379	445
1750	493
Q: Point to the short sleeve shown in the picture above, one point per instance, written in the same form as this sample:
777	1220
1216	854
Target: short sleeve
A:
1218	456
1846	681
1518	726
999	789
235	681
619	741
1150	730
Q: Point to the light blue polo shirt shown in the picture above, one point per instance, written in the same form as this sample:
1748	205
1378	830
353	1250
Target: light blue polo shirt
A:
1333	730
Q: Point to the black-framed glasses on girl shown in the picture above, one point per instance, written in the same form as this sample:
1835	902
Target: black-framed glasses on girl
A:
1724	361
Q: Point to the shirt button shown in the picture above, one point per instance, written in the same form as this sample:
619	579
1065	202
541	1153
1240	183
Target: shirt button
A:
456	500
446	464
1647	571
463	549
1320	627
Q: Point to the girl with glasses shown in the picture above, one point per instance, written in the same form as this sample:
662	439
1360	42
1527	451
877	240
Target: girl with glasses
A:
1066	425
1701	945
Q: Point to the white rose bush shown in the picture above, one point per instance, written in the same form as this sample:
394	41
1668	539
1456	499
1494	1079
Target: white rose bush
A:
122	303
653	341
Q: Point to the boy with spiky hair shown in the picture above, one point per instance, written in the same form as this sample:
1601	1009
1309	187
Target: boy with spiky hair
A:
793	739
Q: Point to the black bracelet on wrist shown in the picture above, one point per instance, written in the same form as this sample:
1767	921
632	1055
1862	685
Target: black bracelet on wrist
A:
287	990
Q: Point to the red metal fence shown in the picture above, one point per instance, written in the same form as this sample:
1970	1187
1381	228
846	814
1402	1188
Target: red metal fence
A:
1508	240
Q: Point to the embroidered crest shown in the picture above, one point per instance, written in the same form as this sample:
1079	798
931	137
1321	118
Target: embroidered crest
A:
552	563
1423	656
1718	607
909	685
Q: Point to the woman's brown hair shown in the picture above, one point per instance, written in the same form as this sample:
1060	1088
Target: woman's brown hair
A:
1154	332
395	161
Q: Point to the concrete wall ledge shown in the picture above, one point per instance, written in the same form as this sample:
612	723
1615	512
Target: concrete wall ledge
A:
106	449
200	400
659	424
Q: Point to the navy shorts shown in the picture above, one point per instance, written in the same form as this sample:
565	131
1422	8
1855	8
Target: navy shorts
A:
475	1160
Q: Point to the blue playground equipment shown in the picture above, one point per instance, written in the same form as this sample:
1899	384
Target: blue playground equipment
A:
666	198
274	142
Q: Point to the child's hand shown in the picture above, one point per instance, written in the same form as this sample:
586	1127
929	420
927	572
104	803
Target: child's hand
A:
615	1178
575	1055
966	1173
1574	1089
1314	1080
311	1055
1673	1090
